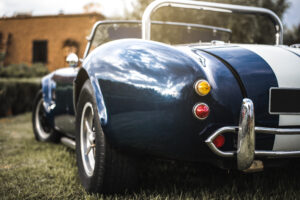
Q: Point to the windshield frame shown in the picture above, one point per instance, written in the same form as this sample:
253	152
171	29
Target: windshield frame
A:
139	22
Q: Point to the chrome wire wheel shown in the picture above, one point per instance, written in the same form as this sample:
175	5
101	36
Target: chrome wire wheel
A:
41	121
87	139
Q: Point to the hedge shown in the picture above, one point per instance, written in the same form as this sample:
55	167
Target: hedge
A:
17	95
23	71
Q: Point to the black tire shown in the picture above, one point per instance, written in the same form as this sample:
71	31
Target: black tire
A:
41	128
113	171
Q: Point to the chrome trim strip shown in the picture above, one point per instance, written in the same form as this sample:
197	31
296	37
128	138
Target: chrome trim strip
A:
218	7
191	25
91	36
278	131
277	154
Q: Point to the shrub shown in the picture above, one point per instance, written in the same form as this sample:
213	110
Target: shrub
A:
38	70
17	95
2	56
23	71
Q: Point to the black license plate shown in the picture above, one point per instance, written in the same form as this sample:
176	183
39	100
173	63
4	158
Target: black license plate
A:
284	101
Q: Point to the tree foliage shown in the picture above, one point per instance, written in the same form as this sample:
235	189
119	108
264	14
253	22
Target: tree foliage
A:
292	36
245	28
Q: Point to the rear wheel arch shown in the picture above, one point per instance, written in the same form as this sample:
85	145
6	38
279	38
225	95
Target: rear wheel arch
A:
111	171
81	78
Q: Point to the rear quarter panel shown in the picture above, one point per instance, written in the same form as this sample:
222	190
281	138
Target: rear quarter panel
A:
148	95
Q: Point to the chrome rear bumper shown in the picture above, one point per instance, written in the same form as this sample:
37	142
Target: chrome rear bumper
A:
246	138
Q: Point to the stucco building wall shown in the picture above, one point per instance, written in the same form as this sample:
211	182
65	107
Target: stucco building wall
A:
55	30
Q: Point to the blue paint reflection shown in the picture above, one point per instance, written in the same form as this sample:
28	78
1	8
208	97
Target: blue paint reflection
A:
145	67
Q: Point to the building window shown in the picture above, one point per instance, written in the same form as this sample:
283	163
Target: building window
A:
40	51
70	46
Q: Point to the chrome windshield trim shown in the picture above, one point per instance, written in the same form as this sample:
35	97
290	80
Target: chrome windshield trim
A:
217	7
99	23
91	36
192	25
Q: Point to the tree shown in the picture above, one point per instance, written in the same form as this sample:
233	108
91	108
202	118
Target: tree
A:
245	28
292	36
92	7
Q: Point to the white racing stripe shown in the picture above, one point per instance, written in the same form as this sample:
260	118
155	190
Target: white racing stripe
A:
295	50
286	66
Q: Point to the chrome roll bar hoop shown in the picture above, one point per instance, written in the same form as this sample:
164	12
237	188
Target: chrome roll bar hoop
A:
217	7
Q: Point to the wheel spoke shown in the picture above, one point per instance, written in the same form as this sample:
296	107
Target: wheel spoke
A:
89	130
88	134
88	150
90	147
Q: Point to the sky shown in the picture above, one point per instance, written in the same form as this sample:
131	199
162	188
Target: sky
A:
292	15
45	7
108	7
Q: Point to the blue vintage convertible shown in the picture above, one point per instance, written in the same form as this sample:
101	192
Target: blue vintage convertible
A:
196	99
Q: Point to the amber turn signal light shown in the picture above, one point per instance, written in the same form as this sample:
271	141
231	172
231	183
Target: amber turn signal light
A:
201	111
202	87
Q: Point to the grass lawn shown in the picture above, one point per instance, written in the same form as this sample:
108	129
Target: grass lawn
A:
34	170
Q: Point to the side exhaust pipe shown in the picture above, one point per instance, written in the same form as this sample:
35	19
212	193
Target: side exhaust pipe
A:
68	142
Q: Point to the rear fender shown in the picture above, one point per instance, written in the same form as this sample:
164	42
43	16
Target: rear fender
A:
82	76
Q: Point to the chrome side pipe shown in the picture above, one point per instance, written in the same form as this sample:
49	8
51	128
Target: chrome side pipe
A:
246	136
68	142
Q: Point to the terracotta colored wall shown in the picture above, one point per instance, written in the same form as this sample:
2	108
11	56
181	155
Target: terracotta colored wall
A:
54	29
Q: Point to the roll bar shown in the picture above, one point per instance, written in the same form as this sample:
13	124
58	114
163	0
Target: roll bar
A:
217	7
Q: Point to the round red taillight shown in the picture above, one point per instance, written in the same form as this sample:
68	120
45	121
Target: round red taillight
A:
201	111
219	141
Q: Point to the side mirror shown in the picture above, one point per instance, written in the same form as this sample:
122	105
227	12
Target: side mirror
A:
72	60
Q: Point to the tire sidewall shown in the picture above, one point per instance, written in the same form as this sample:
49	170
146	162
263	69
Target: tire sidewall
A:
53	136
94	182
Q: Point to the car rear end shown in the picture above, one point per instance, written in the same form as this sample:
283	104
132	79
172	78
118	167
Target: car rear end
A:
269	120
